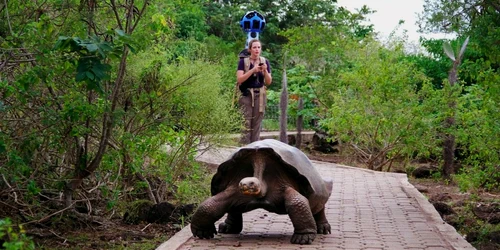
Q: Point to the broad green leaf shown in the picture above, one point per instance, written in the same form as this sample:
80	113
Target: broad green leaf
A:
90	75
60	42
132	49
91	47
80	76
120	32
105	46
101	71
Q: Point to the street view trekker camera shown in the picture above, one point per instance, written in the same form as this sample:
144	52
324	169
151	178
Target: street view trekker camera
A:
252	23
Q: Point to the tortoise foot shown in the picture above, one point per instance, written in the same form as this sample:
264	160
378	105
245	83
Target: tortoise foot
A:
303	239
203	233
225	228
324	228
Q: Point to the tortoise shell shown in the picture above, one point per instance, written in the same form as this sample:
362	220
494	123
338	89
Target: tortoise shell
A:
282	157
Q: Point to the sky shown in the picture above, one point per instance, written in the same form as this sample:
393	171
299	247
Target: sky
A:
388	14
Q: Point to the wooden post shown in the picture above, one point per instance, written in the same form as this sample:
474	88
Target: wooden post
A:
283	106
300	123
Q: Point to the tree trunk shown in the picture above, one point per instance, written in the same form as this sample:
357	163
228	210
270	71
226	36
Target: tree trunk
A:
449	139
449	155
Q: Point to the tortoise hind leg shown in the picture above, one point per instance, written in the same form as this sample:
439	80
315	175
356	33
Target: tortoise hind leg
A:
209	211
322	223
301	216
233	224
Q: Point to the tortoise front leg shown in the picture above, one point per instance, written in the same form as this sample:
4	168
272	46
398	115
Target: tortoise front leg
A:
297	207
322	223
233	224
209	211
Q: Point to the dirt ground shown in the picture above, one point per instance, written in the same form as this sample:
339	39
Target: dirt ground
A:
116	234
476	215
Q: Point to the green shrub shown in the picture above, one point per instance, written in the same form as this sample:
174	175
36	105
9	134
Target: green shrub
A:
14	237
478	177
376	110
195	187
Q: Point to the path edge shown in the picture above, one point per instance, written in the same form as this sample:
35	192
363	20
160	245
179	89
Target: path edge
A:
448	232
177	240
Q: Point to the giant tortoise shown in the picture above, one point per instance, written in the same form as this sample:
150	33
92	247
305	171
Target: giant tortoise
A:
271	175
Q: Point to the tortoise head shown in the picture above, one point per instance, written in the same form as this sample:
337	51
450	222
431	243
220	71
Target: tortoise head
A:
250	186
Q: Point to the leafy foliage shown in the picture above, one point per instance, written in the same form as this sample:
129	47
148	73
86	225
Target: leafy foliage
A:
375	105
478	133
14	239
479	72
81	113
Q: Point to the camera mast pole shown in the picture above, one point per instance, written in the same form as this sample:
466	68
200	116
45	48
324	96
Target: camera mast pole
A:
252	23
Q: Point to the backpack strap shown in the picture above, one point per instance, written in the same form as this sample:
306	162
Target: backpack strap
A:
246	61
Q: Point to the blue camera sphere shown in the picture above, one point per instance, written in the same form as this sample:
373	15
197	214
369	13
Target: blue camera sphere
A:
253	21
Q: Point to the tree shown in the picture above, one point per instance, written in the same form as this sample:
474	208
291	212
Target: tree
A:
74	116
449	138
375	105
93	72
478	19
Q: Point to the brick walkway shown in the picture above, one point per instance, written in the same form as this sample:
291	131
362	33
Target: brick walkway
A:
367	210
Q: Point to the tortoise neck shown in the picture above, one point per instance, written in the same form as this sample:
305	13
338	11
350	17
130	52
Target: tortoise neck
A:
259	166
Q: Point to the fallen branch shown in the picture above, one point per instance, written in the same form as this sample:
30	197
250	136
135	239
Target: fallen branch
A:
142	230
10	187
62	238
50	215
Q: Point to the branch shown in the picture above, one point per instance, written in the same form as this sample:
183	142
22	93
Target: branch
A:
113	5
140	15
22	61
50	215
361	151
129	17
6	204
8	185
6	61
62	238
142	230
149	190
8	18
